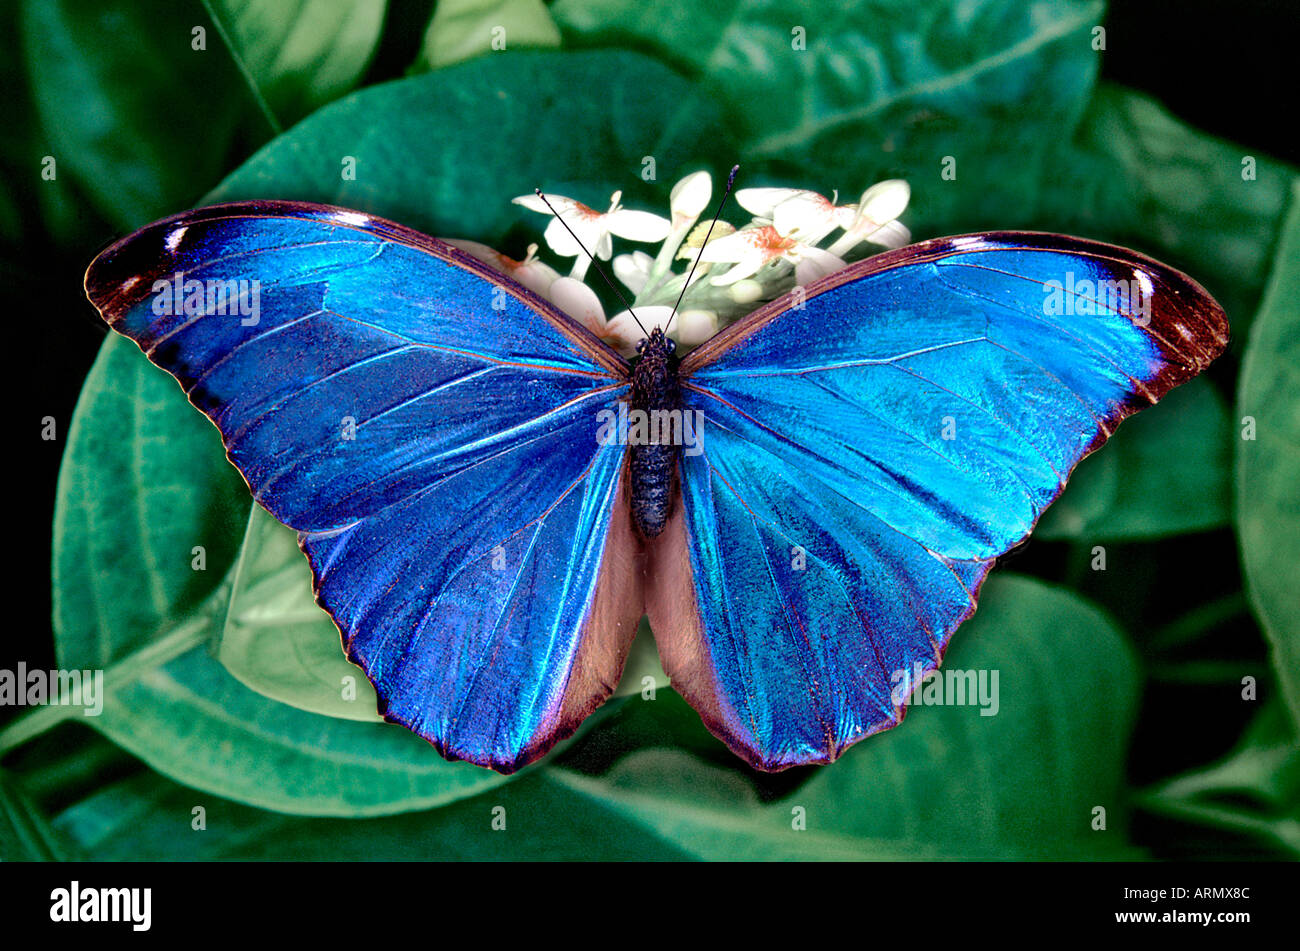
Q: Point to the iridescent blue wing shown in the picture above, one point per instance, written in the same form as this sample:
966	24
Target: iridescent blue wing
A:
429	428
869	452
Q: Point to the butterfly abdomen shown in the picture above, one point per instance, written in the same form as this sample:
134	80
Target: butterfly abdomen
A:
656	400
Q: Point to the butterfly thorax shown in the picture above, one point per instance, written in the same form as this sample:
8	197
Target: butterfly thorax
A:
653	456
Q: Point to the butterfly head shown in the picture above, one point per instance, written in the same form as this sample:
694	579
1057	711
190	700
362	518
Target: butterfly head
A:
657	344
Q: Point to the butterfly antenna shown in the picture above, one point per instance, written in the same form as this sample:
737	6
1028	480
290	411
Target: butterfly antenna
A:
594	262
731	180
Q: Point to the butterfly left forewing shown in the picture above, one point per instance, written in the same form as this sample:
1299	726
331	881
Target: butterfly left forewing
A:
871	447
429	428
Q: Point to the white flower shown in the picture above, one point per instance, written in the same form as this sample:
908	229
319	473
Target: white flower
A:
580	302
690	196
796	212
693	327
750	248
874	219
633	270
789	227
592	228
535	275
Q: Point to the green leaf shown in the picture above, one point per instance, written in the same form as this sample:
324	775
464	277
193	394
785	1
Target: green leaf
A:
463	29
144	490
1003	89
1268	465
116	87
437	165
144	480
277	640
947	783
1165	471
299	56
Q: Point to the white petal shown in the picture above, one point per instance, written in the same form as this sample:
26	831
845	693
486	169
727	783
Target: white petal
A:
587	229
845	215
533	274
691	195
892	234
745	267
578	301
535	203
807	216
693	327
474	249
633	270
814	263
762	201
637	225
884	201
730	247
537	276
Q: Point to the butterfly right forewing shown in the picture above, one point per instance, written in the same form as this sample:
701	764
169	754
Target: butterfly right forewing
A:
870	449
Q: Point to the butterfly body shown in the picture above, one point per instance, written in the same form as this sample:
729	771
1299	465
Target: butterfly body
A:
656	396
430	428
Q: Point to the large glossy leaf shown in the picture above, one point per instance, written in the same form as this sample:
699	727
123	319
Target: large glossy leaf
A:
457	145
141	487
143	493
948	782
144	479
988	109
1268	465
1165	471
117	89
298	56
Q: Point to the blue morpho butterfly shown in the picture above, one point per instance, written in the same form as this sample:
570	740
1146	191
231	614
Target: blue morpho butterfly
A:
869	451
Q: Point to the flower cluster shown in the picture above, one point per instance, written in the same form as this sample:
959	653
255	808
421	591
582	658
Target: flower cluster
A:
738	269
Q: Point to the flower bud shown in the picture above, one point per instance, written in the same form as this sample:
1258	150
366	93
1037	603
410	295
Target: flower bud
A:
691	195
